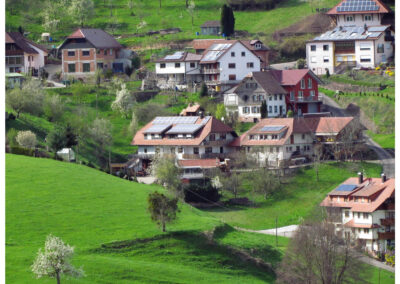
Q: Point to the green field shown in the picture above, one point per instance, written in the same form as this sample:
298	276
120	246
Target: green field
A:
296	199
96	213
171	15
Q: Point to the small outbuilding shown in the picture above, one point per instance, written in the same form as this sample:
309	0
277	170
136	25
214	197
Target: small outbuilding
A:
211	28
67	154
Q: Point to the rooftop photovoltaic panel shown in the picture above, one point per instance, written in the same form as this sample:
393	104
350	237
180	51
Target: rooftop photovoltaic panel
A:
215	51
175	119
205	120
357	6
346	187
185	128
272	128
377	29
350	33
176	55
157	128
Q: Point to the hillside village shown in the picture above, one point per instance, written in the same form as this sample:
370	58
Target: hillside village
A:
200	142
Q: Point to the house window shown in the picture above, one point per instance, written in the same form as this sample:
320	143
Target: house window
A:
105	51
367	18
365	59
180	150
99	65
258	45
300	95
275	109
255	110
71	68
291	95
270	109
86	67
326	47
145	150
177	65
313	47
222	136
275	97
243	54
326	59
270	98
312	93
231	65
110	51
172	149
71	53
162	65
365	46
280	97
303	136
85	52
309	83
250	65
232	54
98	51
157	150
365	215
196	150
232	77
381	48
245	110
192	64
349	18
366	231
208	150
212	137
302	84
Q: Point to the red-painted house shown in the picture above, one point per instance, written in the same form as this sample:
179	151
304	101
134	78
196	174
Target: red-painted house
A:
302	90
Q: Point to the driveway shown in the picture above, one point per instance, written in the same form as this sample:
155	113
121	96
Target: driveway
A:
284	65
386	159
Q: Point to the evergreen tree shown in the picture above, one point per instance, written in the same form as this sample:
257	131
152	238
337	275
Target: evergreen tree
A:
263	110
227	20
203	90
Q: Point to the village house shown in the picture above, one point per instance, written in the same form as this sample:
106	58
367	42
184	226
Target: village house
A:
359	39
86	50
197	169
245	99
211	28
191	110
184	137
364	209
282	90
24	55
275	141
220	67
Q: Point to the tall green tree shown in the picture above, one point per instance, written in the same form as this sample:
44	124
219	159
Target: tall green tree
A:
227	20
162	209
263	110
203	90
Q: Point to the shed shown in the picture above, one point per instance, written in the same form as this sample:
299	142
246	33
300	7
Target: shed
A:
67	154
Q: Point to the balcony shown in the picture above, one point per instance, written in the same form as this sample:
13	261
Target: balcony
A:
210	71
386	235
308	99
219	142
387	222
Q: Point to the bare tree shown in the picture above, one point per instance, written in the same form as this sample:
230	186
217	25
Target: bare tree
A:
265	182
190	9
319	253
318	156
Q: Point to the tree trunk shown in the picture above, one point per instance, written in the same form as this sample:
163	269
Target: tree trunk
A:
187	3
58	277
163	226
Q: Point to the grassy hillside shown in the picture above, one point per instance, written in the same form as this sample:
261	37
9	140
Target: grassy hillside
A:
296	199
171	14
106	219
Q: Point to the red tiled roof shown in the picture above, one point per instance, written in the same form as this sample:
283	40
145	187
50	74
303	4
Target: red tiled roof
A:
316	125
190	108
199	163
289	77
192	57
206	43
211	24
213	125
367	188
382	9
351	224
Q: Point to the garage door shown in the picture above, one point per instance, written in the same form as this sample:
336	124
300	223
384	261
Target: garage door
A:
312	108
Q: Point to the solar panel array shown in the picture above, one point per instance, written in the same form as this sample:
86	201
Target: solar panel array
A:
346	187
157	128
175	119
377	29
272	128
215	51
205	120
185	129
176	55
357	6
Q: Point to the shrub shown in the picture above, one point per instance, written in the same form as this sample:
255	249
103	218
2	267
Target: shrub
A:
53	107
202	194
203	90
26	139
289	113
22	151
301	63
11	137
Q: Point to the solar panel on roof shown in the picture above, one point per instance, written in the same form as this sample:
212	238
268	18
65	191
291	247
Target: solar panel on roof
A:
175	119
346	187
185	128
157	128
272	128
206	119
176	55
377	29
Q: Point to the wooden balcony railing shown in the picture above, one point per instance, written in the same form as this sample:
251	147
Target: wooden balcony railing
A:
386	235
387	222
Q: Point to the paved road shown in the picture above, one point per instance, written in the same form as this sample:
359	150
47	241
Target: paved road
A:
386	159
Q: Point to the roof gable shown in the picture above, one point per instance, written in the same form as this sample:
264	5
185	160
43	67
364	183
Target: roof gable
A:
97	37
355	7
21	42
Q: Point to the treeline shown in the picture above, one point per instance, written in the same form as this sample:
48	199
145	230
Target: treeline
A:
240	5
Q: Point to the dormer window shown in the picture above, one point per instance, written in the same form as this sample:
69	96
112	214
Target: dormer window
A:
258	45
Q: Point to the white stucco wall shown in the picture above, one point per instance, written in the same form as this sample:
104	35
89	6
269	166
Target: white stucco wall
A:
170	68
388	50
315	59
359	20
364	53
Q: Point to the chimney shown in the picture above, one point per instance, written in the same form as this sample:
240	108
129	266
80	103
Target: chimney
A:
383	177
360	178
201	114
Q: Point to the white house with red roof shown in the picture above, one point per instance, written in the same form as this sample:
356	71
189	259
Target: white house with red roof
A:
185	138
221	66
366	210
275	141
86	50
282	90
359	39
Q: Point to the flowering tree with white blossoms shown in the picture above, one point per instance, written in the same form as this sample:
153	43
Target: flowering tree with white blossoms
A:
123	101
26	139
54	260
